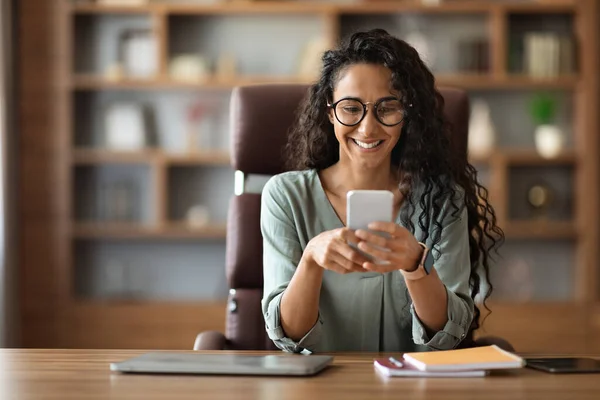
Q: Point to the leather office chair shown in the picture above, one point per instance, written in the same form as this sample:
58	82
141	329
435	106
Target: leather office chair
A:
260	118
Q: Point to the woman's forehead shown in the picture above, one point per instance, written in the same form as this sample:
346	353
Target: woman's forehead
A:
366	81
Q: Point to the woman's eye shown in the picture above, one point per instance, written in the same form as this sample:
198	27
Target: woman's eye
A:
389	110
351	110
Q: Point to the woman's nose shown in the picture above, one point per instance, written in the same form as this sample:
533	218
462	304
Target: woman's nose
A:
368	125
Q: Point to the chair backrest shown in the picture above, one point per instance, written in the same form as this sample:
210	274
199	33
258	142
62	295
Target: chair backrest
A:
260	117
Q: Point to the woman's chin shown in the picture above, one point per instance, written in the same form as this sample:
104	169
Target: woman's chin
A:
370	163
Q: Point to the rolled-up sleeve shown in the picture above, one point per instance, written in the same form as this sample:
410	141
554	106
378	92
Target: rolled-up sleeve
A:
452	263
281	255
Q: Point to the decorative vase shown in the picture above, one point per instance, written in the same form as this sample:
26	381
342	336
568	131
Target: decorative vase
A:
481	130
418	39
549	140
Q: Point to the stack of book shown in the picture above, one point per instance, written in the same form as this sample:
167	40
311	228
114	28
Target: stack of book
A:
543	55
473	362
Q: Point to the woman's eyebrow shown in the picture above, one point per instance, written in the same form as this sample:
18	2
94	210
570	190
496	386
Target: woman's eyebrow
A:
391	95
350	98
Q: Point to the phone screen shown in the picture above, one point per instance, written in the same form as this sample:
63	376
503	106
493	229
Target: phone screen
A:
564	364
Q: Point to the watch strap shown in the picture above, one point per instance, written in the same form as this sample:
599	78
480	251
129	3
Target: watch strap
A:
420	271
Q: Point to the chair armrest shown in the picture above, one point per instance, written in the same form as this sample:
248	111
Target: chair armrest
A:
210	340
498	341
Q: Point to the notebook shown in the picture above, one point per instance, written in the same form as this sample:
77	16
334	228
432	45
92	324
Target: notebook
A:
477	358
393	367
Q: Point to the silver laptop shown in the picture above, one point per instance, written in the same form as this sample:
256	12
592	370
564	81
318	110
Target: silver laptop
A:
223	364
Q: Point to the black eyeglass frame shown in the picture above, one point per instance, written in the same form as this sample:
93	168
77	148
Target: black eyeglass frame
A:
364	105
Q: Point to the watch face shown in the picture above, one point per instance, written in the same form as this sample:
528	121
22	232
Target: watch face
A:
428	263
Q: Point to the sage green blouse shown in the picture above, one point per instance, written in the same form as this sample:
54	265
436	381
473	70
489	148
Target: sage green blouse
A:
359	311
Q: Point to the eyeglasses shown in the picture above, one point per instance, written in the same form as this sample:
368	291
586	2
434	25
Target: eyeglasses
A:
351	111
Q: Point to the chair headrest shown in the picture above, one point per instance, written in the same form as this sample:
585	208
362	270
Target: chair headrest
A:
261	117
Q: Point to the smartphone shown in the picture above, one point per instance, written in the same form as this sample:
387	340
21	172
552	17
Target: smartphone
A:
366	206
562	365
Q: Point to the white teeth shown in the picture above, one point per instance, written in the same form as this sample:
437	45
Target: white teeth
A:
367	145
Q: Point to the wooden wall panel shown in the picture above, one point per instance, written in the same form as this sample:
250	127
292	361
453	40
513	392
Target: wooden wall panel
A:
539	328
139	326
38	207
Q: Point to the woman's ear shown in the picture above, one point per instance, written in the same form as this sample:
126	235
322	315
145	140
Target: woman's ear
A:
330	115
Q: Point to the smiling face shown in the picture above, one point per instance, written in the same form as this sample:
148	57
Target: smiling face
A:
369	144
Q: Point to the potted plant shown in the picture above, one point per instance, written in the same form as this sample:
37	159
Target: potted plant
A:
549	138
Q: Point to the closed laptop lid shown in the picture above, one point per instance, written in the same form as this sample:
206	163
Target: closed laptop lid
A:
223	364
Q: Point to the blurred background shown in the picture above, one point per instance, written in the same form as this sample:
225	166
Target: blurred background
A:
114	118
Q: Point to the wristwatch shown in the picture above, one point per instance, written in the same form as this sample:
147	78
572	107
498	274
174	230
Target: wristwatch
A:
424	267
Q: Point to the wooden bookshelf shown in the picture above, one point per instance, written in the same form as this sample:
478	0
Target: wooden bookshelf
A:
99	83
540	230
506	82
198	158
136	231
524	157
463	81
50	158
91	157
313	7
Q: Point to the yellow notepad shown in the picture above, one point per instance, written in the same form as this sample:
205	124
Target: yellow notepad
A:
477	358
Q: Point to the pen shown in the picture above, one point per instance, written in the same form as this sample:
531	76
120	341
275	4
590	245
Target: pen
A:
395	362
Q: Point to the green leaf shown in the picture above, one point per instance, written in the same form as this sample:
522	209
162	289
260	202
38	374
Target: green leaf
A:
542	108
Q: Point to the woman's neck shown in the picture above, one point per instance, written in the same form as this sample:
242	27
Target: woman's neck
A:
345	178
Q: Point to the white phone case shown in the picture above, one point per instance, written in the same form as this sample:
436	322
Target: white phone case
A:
366	206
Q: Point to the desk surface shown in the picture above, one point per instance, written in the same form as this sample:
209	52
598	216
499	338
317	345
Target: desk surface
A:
85	374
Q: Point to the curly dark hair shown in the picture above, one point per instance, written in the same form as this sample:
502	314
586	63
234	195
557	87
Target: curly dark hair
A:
424	154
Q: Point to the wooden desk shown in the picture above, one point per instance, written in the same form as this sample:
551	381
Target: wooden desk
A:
84	374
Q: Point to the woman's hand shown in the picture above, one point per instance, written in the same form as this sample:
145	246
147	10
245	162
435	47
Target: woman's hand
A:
330	250
404	251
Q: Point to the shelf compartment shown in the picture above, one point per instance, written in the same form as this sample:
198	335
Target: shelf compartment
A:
168	124
539	195
149	270
541	44
450	45
514	126
99	40
204	192
534	271
112	193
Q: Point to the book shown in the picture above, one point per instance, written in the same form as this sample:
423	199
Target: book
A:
392	367
476	358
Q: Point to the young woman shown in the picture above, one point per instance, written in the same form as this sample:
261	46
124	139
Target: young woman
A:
374	121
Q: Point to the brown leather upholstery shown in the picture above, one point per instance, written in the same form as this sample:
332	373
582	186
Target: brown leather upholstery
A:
244	242
260	119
